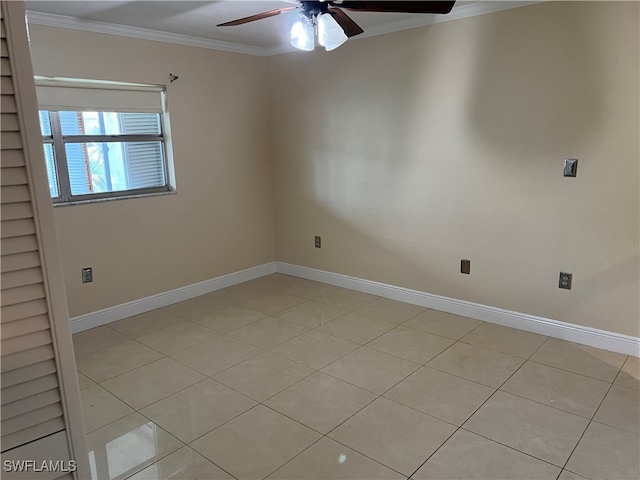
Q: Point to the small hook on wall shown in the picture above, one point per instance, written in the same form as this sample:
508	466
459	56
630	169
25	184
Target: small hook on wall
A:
172	77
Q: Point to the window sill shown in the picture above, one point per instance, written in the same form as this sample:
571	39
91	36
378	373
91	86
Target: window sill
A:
113	199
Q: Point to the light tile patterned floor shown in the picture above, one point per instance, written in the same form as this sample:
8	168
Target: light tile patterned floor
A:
286	378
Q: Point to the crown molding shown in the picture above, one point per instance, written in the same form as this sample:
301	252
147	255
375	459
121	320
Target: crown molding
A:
74	23
63	21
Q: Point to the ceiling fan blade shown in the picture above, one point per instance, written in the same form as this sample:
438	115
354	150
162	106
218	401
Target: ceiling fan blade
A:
397	7
349	27
259	16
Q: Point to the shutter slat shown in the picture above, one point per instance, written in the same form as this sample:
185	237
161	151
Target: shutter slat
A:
43	449
9	122
19	261
27	389
6	86
27	357
27	435
24	342
17	228
13	245
23	310
10	140
13	176
24	327
21	277
34	402
12	158
8	104
14	194
24	421
5	67
16	211
27	374
17	295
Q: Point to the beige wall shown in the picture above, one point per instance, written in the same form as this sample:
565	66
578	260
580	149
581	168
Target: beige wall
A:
410	151
406	152
221	219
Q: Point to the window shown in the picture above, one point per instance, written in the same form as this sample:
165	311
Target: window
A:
103	140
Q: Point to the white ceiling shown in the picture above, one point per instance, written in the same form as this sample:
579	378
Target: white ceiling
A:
194	22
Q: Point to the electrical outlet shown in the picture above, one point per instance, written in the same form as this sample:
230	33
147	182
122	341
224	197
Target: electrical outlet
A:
565	280
318	241
87	275
570	167
465	266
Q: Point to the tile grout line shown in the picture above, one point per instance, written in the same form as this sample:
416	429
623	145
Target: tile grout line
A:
295	456
591	420
164	398
538	362
511	448
382	396
245	395
483	403
479	407
147	463
509	378
401	358
530	359
169	355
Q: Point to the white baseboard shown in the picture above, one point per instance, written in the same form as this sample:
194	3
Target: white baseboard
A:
545	326
111	314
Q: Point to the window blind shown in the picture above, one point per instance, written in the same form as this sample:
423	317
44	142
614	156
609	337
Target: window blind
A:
143	168
62	94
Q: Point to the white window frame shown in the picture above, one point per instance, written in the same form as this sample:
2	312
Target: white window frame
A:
66	94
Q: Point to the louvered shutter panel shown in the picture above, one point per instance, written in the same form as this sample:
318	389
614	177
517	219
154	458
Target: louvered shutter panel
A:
144	163
32	411
31	405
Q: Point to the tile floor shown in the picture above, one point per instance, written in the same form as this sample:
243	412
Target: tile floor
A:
284	378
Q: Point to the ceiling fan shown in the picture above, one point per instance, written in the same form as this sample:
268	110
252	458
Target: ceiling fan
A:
333	26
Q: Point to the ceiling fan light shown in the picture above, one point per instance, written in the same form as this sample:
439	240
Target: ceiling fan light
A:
302	33
330	34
